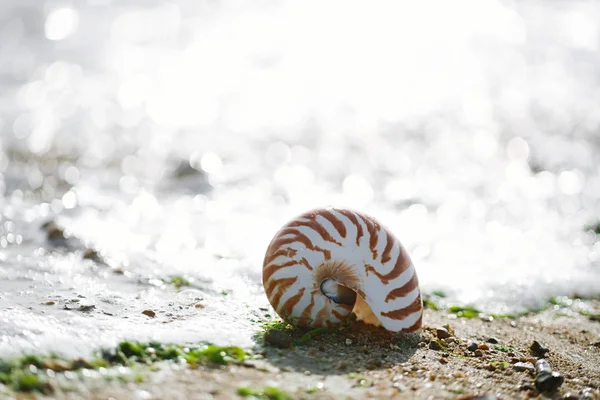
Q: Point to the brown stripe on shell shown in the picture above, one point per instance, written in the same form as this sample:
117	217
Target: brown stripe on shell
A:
288	306
373	229
326	253
271	269
401	265
321	315
354	219
280	242
337	224
305	262
403	290
402	313
385	256
289	253
338	315
416	326
317	227
281	285
271	285
306	315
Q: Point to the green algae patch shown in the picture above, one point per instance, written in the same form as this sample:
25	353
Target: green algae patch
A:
465	311
28	373
428	303
179	282
266	393
277	324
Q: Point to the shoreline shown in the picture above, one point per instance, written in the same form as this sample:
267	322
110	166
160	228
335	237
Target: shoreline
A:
358	361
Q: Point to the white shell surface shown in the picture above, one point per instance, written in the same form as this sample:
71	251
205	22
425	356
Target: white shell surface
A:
352	248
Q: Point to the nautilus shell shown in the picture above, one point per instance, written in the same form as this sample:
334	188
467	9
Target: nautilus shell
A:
327	263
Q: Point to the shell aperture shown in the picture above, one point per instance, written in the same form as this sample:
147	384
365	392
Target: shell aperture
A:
327	263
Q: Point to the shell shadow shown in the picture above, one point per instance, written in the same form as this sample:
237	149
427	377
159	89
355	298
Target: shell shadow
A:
350	349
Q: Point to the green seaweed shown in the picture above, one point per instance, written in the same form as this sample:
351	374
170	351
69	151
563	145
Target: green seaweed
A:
500	364
504	349
277	324
428	303
216	354
465	311
179	282
27	373
266	393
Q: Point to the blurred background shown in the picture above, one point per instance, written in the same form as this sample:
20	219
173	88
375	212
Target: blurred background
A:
169	140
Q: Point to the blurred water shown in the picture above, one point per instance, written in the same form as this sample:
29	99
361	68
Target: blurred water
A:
176	137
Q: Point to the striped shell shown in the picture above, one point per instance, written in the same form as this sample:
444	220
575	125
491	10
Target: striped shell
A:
327	263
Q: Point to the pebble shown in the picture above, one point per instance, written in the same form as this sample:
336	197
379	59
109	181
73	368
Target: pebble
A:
434	345
443	360
520	366
493	340
442	333
513	324
478	353
348	342
472	346
537	349
199	305
278	338
49	303
484	347
149	313
546	380
340	365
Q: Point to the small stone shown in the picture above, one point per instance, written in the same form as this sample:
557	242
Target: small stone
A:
538	350
595	344
490	367
483	347
478	353
570	396
586	394
149	313
513	324
443	360
548	382
442	333
434	345
49	303
363	349
91	254
472	346
86	308
278	338
348	342
458	375
199	305
341	365
493	340
520	366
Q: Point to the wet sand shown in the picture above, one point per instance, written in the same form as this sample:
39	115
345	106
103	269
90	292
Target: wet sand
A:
359	362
